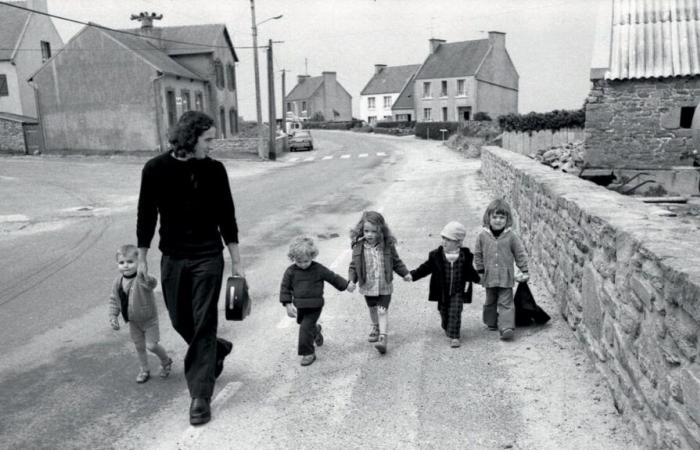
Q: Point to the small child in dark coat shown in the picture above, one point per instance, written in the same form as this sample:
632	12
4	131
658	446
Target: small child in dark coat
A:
302	294
450	268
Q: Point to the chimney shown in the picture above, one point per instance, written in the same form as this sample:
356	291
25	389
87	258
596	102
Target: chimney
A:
434	44
37	5
497	39
147	29
328	77
378	68
301	78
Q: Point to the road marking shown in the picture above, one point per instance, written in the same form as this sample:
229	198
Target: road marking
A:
14	218
192	433
344	156
381	154
311	158
328	157
293	159
362	155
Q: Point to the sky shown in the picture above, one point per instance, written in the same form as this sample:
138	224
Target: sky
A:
550	42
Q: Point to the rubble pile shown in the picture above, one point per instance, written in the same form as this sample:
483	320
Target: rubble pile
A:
568	158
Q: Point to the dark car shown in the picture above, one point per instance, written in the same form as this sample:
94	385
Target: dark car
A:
301	140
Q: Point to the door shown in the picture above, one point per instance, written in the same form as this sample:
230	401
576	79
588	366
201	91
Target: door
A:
32	139
465	113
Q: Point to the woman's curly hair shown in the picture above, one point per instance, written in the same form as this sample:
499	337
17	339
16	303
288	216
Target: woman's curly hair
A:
302	246
184	134
376	219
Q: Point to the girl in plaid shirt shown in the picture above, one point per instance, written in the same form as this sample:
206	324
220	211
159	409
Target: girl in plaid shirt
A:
374	259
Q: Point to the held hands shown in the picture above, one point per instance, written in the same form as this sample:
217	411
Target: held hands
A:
351	286
114	322
291	310
522	277
408	277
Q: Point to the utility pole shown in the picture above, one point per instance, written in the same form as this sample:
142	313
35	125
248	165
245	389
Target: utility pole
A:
284	100
271	102
258	106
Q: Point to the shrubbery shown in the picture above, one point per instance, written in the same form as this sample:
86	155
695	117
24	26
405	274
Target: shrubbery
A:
553	120
482	116
431	130
332	125
392	124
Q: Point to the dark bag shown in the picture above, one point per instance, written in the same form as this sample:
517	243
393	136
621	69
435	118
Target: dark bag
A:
526	310
237	299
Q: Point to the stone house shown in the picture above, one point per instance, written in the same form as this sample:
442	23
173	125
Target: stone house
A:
27	40
19	134
132	85
324	95
641	111
459	79
382	90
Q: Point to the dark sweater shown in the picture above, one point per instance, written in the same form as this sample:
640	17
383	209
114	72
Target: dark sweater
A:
304	287
194	201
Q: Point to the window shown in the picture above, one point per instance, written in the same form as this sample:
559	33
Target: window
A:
45	50
687	113
372	120
4	92
222	122
387	101
444	114
233	121
185	100
443	88
461	88
231	77
198	101
426	89
289	106
171	106
370	103
303	107
426	114
219	74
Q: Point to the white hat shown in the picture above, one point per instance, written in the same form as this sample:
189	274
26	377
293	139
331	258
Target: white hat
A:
454	230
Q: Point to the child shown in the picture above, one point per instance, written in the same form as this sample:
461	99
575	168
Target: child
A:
450	269
133	297
374	259
497	246
302	294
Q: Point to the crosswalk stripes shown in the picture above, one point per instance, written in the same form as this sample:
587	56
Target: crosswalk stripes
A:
362	155
343	156
327	157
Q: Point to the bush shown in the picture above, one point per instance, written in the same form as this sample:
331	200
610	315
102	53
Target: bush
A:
392	124
482	116
553	120
431	130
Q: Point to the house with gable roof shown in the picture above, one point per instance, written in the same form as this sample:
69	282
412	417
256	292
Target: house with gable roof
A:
121	90
27	40
382	90
324	95
459	79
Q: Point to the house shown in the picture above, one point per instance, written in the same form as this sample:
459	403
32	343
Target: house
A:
459	79
319	98
382	90
27	40
642	111
121	90
19	134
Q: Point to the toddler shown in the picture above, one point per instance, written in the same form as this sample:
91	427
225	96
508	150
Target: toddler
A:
133	297
450	269
497	247
374	259
302	294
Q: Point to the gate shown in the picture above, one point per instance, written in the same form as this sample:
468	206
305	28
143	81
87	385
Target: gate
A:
33	142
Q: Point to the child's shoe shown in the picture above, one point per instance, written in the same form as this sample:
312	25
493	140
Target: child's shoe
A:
165	368
143	376
381	344
318	339
307	360
507	334
454	343
374	333
493	327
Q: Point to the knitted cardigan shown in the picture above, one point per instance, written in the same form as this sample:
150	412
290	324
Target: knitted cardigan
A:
142	302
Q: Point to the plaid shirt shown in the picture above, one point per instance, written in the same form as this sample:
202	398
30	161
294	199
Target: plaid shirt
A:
452	273
375	281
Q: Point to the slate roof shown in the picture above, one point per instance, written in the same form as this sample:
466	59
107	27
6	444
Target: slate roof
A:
390	80
654	39
405	99
304	90
454	59
207	35
12	22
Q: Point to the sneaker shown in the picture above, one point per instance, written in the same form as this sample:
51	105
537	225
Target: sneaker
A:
374	333
318	339
143	376
381	344
165	368
507	334
454	343
307	360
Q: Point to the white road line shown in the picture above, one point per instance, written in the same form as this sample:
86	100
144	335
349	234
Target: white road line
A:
14	218
344	156
189	437
362	155
381	154
293	159
328	157
311	158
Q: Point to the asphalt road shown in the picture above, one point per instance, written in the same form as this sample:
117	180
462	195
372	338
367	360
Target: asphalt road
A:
67	379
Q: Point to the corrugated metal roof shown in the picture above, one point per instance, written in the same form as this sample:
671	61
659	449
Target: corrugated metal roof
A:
390	79
654	38
304	90
12	22
454	59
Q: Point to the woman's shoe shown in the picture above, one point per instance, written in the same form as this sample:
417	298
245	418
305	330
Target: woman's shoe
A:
165	368
143	376
381	344
373	333
307	360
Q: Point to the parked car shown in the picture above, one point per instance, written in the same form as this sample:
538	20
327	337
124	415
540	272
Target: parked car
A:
301	140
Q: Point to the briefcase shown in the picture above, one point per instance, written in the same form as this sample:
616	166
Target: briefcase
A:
237	299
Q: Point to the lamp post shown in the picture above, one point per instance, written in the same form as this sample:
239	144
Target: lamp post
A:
258	107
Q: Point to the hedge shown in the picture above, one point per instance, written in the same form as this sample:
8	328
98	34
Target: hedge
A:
332	125
553	120
431	130
392	124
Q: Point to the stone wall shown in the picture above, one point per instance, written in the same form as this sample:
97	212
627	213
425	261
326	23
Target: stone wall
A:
628	283
635	124
11	137
529	143
246	146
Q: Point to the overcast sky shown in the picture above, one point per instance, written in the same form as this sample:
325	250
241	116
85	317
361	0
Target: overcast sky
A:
549	41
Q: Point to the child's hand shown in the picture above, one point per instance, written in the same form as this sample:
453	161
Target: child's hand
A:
291	310
523	277
351	286
114	322
408	277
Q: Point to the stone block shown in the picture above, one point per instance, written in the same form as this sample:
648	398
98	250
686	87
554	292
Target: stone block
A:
683	329
643	290
590	299
671	120
690	384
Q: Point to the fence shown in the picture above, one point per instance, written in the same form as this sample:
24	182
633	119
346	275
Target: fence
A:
530	142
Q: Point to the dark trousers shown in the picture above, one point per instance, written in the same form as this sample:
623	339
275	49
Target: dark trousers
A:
307	318
451	315
191	291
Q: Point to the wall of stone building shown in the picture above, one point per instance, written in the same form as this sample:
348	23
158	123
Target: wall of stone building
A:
628	284
244	146
635	124
11	137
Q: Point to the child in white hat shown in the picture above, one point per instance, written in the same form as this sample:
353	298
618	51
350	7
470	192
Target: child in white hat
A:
450	268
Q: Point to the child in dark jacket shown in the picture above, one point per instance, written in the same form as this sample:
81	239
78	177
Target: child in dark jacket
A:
450	268
302	294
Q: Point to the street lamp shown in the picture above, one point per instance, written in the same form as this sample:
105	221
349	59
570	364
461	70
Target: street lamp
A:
258	108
